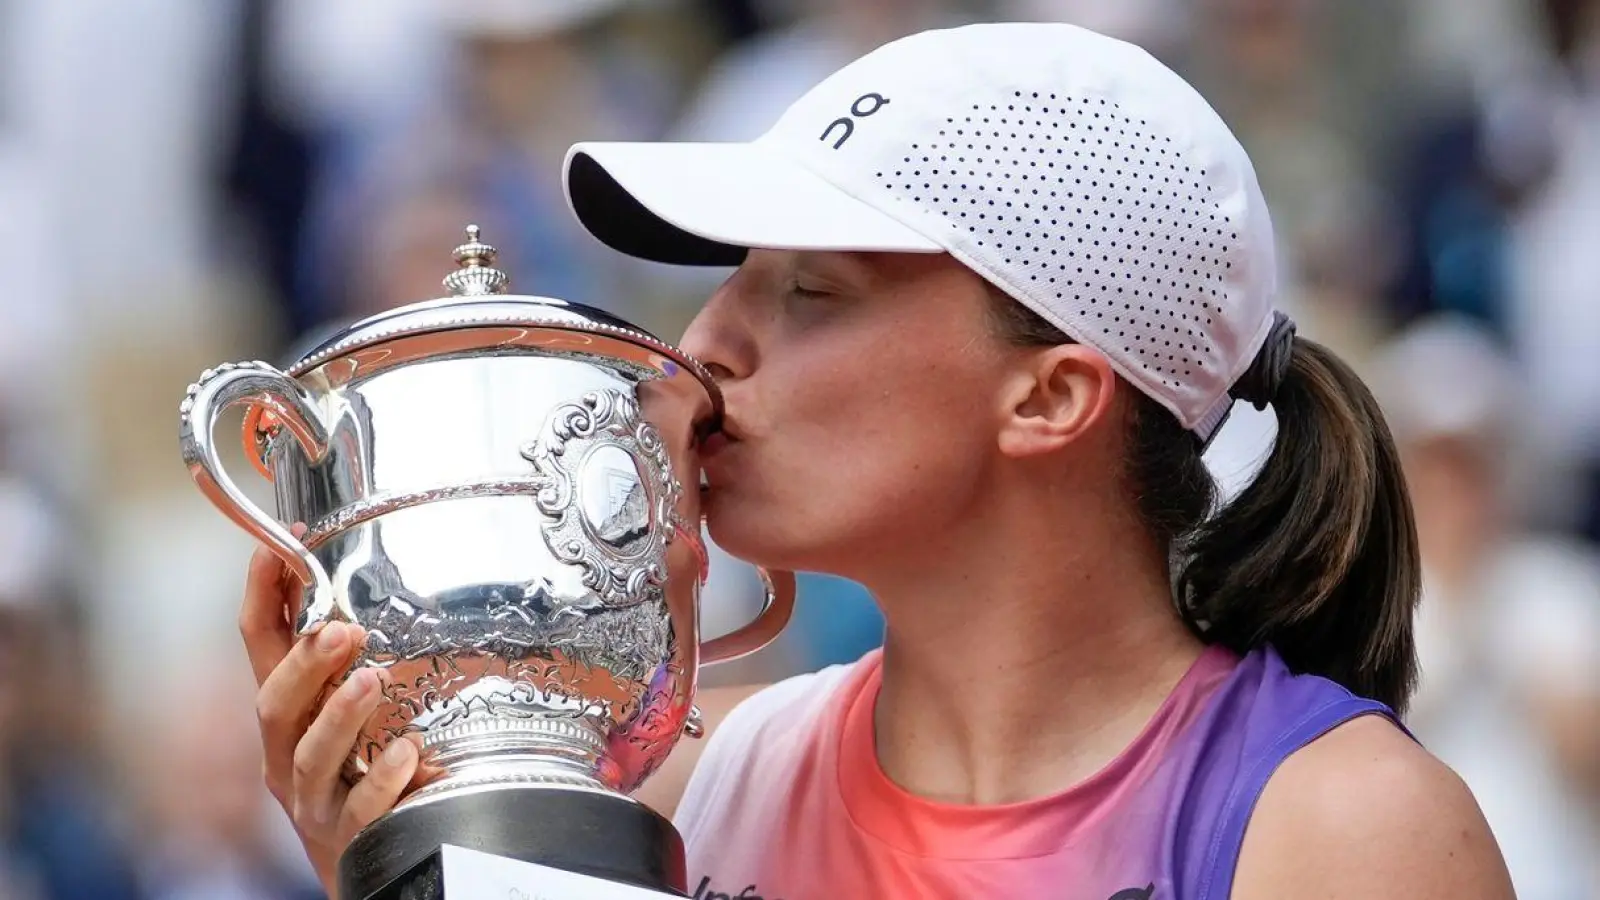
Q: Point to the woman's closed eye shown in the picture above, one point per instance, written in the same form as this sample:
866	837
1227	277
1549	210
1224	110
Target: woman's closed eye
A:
802	290
808	302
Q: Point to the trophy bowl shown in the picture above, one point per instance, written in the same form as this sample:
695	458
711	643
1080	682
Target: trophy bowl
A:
504	491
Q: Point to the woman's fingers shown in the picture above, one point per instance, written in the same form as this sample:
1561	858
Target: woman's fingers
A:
263	617
271	599
377	793
286	703
319	791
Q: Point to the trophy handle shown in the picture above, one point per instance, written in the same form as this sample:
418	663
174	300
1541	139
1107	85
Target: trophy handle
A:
263	386
761	630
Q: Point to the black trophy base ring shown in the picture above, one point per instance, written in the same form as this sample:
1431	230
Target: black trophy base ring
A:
595	834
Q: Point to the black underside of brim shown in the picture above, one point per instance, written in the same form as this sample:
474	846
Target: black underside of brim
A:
622	223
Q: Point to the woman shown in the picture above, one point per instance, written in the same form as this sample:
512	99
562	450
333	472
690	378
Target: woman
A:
1008	277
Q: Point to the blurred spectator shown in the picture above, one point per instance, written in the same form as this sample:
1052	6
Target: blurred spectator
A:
1159	26
526	80
223	842
1268	67
1509	628
266	172
734	20
57	841
754	82
1553	269
1501	194
118	108
350	65
1487	150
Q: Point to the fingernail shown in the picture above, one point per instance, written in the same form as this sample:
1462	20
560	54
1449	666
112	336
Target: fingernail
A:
398	751
330	638
366	683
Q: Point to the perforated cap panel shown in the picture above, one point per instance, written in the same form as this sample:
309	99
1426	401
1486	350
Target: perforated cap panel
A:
1097	213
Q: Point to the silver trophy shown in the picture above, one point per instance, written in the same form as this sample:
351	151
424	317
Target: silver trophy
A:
504	491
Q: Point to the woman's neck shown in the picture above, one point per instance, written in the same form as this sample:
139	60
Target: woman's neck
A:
1014	669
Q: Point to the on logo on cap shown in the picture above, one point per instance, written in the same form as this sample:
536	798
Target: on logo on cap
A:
847	123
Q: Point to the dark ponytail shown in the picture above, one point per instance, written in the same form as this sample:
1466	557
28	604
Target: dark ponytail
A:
1318	555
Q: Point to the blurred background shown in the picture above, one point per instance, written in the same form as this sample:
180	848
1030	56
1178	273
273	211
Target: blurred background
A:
184	182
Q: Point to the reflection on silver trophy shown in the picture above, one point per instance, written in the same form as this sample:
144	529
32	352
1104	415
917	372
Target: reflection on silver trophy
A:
504	490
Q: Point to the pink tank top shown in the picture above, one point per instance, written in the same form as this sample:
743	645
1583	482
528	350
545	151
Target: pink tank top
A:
789	803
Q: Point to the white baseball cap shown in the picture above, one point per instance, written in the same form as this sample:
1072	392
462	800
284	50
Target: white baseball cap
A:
1071	170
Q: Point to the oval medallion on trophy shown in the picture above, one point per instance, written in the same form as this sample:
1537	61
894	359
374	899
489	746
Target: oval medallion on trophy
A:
607	486
615	500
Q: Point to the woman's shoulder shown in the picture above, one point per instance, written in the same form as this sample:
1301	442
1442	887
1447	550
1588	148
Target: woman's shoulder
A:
1324	787
1290	779
1364	811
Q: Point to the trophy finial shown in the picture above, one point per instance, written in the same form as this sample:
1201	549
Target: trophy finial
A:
475	275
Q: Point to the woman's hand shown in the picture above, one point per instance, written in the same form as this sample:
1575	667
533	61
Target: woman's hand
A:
304	749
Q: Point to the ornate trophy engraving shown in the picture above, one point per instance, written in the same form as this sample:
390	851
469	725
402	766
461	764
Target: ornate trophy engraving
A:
606	484
493	486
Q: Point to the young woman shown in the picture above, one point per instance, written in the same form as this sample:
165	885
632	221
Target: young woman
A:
996	288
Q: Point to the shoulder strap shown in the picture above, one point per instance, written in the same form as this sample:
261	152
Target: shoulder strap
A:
1222	854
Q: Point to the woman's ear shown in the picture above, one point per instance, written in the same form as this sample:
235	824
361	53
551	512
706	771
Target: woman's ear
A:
1057	395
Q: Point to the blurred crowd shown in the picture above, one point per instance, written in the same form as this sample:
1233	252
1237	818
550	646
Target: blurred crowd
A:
184	182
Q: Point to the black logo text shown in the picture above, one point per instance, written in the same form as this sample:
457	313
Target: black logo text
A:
858	110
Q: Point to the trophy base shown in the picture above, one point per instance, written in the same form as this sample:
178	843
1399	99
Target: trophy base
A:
588	832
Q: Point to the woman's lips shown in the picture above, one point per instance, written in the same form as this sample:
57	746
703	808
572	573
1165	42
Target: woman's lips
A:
714	443
714	452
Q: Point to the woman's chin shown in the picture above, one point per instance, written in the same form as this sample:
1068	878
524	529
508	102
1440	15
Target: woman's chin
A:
754	536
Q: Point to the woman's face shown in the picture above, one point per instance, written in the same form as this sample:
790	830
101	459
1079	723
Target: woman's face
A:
864	396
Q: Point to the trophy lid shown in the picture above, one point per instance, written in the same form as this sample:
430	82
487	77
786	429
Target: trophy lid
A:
478	298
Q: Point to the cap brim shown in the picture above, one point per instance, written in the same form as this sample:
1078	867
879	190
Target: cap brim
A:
705	204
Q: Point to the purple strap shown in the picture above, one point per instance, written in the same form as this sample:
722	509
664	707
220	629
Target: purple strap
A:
1222	857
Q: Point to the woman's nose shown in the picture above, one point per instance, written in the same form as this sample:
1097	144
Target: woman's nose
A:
719	372
717	338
